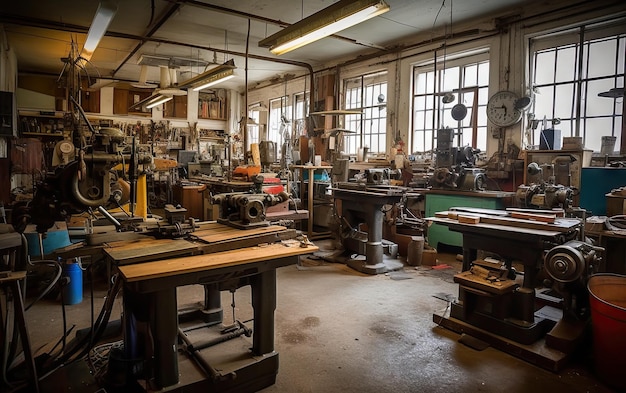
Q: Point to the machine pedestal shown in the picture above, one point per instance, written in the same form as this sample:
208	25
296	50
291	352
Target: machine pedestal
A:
387	264
536	353
518	331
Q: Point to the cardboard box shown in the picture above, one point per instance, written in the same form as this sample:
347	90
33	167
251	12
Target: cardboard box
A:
429	257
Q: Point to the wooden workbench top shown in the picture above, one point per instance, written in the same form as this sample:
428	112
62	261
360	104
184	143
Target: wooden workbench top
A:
198	263
216	232
148	248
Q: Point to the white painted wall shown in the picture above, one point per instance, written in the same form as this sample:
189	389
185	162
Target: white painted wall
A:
508	64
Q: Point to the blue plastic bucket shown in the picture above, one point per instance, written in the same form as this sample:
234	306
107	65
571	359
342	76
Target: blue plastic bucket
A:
73	291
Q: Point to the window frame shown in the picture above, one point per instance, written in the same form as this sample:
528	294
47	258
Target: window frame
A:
584	100
368	87
438	114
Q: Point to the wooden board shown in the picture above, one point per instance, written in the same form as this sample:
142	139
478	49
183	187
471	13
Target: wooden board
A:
560	225
468	219
177	266
549	218
471	280
148	248
216	232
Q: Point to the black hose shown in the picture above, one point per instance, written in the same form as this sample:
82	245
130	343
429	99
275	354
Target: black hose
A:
99	327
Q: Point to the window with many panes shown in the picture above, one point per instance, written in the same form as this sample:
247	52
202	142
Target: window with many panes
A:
279	121
300	111
253	129
569	70
466	78
366	93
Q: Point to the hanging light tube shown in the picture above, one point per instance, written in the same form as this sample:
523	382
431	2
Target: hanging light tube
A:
158	101
330	20
104	14
215	78
212	77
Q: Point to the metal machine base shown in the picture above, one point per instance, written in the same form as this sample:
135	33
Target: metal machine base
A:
242	225
524	333
241	371
387	265
536	353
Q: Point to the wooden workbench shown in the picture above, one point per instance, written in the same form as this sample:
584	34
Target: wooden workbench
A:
150	304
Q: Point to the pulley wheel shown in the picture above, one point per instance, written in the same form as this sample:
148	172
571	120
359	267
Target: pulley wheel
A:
564	263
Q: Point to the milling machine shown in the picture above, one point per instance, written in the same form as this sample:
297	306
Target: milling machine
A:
455	166
547	301
84	178
365	202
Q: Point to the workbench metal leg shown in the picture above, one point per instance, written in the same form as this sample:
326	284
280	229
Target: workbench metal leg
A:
165	329
21	323
310	200
264	304
469	256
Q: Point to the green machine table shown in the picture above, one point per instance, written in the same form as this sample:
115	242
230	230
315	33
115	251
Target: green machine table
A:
441	200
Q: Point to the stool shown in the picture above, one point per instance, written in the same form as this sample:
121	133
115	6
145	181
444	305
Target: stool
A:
12	280
11	245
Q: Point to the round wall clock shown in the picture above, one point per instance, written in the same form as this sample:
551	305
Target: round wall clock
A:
501	109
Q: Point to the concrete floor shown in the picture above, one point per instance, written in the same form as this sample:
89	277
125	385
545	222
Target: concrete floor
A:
338	330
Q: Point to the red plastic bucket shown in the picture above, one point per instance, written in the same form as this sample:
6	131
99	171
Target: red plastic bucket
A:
607	295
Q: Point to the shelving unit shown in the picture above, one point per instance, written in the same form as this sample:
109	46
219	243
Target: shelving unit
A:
41	124
310	194
212	106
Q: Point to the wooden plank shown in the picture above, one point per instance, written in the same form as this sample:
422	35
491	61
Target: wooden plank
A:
557	212
241	242
549	218
126	252
177	266
560	225
546	229
224	232
468	219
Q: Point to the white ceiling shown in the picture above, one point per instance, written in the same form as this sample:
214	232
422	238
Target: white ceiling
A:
205	30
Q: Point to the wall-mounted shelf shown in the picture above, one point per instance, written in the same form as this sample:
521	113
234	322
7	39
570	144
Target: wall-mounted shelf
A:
212	106
44	134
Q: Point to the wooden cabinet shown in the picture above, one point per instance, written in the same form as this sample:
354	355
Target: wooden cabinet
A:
125	98
176	107
191	198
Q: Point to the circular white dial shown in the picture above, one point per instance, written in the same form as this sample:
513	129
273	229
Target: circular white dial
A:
501	109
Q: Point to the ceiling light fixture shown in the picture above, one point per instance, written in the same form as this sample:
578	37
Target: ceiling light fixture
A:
105	13
212	77
330	20
158	100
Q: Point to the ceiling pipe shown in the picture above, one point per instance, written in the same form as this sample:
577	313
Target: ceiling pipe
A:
52	25
276	22
166	15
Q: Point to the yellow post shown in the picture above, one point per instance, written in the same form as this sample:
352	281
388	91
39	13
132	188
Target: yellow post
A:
141	208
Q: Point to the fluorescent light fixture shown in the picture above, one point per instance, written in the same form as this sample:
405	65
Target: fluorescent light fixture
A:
212	77
330	20
102	19
215	79
158	101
